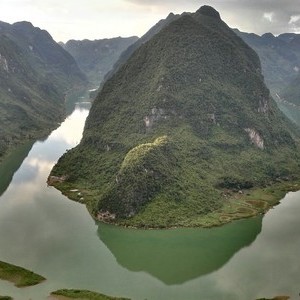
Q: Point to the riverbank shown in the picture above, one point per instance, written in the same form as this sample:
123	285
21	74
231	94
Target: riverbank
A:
88	295
33	134
238	204
80	295
18	275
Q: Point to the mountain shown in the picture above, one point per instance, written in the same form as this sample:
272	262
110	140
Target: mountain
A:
96	58
146	37
280	57
186	119
35	75
291	93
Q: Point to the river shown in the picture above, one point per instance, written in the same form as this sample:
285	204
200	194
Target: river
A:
43	231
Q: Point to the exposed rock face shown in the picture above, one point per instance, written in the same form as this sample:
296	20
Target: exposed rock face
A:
263	106
3	63
156	115
255	138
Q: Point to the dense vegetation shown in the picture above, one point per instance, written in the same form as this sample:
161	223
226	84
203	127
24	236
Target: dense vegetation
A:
19	276
35	75
145	38
96	58
185	119
84	295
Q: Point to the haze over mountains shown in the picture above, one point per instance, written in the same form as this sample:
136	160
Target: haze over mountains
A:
96	58
280	59
187	115
35	74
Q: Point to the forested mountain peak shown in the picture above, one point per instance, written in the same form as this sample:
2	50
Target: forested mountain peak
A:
185	117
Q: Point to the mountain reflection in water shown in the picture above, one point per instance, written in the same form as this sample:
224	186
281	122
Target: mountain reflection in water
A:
178	255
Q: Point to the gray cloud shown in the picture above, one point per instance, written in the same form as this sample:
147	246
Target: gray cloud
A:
96	19
257	16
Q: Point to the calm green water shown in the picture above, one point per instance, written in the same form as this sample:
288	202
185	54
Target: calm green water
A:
43	231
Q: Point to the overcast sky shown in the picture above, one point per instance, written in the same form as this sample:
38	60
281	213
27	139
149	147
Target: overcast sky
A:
95	19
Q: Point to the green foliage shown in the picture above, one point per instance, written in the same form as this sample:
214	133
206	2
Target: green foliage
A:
5	298
170	130
232	183
19	276
84	295
145	38
35	74
144	172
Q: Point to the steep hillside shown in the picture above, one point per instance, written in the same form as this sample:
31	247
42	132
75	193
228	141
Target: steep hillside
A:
146	37
96	58
280	57
35	75
185	121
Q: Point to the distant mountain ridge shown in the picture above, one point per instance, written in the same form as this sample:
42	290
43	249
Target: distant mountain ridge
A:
184	120
95	58
280	58
35	75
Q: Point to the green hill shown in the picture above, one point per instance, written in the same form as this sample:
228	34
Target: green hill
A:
96	58
35	75
145	38
185	121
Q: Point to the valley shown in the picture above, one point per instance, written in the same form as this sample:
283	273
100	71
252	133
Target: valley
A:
36	74
182	163
57	238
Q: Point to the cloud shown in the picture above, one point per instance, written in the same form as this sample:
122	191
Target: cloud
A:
269	16
257	16
95	19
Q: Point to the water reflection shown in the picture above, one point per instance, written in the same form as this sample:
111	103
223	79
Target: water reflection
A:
270	266
66	136
73	98
177	256
11	164
43	231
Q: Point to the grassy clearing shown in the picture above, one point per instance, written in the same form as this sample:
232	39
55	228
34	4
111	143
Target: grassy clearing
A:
19	276
247	204
82	295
